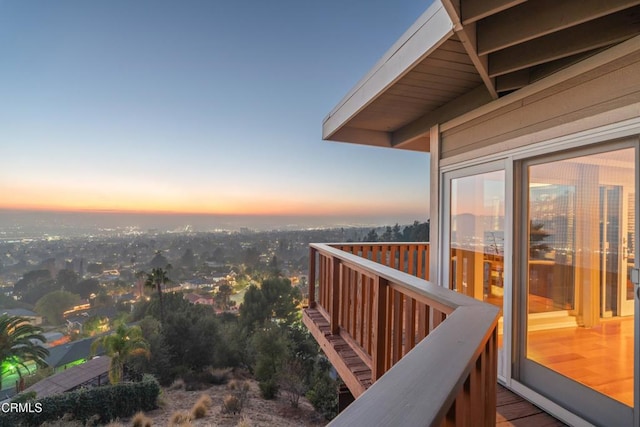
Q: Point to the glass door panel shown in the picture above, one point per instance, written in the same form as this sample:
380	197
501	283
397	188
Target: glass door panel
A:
476	237
580	234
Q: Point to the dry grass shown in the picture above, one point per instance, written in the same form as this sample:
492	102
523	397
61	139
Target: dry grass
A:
231	404
256	412
180	419
177	385
141	420
201	407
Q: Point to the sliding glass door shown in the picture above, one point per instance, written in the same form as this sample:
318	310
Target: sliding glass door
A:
474	240
577	311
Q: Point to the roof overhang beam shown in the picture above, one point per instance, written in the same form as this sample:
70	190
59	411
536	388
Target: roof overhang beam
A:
468	36
582	38
538	18
474	10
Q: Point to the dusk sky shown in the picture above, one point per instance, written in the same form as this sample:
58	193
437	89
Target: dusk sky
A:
196	106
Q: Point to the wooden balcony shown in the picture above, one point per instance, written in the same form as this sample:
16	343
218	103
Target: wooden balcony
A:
425	355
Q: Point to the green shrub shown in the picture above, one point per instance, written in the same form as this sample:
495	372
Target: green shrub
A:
324	396
269	389
24	397
216	376
200	380
107	403
66	421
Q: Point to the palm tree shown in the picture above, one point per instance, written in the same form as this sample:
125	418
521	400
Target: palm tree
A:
224	295
140	280
156	279
120	346
19	344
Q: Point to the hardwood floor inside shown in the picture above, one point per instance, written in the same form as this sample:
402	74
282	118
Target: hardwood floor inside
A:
600	357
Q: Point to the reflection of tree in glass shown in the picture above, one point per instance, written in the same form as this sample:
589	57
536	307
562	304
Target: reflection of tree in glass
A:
494	243
537	247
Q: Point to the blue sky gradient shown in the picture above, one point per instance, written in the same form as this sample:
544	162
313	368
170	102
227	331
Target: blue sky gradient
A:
196	106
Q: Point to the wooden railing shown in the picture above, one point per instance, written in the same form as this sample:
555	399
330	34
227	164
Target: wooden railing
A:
437	347
412	258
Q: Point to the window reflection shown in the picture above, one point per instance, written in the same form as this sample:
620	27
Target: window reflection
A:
580	216
477	237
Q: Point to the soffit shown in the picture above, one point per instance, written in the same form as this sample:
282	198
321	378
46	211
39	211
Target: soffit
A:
462	54
445	74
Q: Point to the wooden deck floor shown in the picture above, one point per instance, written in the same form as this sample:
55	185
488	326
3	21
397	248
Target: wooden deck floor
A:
513	410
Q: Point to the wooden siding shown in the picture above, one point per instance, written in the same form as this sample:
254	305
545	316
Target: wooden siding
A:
608	87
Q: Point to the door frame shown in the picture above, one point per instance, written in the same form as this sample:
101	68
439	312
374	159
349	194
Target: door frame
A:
627	307
624	306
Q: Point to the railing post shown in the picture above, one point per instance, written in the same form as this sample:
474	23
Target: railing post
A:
336	278
380	324
312	277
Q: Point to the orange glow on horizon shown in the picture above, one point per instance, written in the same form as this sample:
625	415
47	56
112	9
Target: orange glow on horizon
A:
176	201
249	205
273	212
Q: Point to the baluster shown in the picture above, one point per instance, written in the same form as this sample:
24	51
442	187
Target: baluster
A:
361	304
336	285
312	277
409	324
370	309
427	254
398	300
412	254
380	325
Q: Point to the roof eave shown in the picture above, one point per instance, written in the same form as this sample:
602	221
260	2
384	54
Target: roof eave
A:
432	29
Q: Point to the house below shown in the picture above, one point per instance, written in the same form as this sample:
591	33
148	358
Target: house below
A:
93	373
64	356
199	299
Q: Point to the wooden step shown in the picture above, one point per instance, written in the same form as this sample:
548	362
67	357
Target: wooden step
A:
355	373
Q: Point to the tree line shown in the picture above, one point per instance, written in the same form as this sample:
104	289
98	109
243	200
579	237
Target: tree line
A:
416	232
